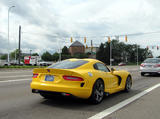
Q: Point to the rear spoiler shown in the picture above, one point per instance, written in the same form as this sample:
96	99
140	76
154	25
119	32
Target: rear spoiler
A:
55	71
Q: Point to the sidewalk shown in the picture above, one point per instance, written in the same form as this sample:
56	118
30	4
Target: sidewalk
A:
146	107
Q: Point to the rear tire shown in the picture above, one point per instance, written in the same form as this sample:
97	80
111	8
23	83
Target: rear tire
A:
97	92
142	73
128	84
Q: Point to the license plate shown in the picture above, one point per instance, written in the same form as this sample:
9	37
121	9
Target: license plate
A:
49	78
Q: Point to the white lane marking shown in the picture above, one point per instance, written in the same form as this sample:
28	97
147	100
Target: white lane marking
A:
123	103
129	69
6	81
14	76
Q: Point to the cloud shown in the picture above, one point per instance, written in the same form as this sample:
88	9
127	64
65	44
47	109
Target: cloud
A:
47	23
3	42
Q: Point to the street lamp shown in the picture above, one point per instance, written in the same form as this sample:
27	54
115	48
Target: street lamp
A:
60	55
30	52
8	29
111	53
137	54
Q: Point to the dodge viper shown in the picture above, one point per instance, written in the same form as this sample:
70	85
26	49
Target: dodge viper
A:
83	78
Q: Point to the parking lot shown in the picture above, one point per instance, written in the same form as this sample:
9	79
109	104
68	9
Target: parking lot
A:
17	101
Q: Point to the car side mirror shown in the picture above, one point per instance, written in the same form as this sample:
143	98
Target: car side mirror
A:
113	69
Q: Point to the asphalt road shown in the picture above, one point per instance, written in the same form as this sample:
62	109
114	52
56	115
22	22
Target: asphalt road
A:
17	101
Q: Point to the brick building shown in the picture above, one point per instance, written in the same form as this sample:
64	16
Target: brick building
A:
76	48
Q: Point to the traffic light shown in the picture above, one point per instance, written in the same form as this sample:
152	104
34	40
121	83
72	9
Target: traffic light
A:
109	39
85	39
71	40
126	38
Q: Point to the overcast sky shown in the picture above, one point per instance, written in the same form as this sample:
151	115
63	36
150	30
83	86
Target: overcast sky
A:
49	24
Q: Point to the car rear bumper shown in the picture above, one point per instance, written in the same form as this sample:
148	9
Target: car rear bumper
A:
80	92
150	70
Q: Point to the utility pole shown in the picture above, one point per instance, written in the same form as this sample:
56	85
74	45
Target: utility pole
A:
137	55
8	31
91	47
15	55
60	57
110	54
19	47
30	52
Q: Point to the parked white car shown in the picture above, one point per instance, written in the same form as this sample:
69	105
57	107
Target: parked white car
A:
15	62
44	63
4	63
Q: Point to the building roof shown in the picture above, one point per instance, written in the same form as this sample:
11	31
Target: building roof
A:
76	43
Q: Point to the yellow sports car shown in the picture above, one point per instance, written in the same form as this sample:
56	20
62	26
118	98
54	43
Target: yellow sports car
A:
82	78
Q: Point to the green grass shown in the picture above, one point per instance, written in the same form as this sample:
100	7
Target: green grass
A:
130	63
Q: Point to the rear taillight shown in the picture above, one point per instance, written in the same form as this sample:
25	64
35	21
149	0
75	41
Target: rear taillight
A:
157	65
142	65
72	78
35	75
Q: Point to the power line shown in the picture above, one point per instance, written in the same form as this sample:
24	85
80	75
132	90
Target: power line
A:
38	34
120	35
136	34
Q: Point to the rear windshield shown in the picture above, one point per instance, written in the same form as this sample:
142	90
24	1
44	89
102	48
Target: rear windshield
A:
152	61
67	64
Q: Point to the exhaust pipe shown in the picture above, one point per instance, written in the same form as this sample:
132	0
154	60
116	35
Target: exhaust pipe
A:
35	91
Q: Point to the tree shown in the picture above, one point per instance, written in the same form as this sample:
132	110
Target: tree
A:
47	56
4	57
15	52
106	53
35	54
117	51
100	53
122	52
55	56
80	55
65	53
64	56
65	50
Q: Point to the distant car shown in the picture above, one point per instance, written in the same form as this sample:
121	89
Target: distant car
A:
122	64
44	63
150	66
6	64
15	62
83	78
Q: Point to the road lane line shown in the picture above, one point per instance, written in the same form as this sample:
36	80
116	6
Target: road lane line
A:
6	81
14	76
123	103
16	71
